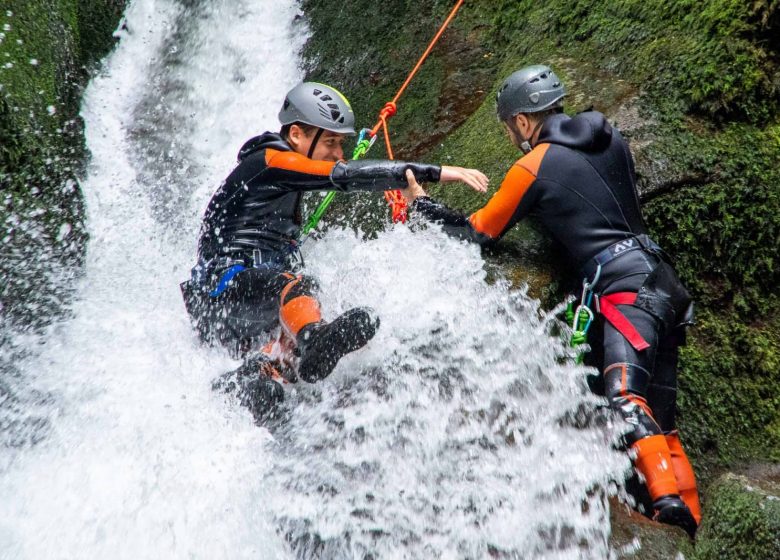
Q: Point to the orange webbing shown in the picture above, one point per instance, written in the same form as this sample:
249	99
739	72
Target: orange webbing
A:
654	461
395	198
683	472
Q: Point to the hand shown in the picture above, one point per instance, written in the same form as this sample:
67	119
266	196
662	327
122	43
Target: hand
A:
472	177
414	189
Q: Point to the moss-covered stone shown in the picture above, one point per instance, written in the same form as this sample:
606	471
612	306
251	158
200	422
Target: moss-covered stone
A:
741	521
46	50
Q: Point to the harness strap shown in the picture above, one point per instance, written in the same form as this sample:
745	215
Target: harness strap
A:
225	279
620	248
606	306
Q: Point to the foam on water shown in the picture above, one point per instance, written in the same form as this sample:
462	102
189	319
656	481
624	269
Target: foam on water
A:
460	431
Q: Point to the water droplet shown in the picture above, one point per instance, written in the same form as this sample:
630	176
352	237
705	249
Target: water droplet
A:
34	62
51	110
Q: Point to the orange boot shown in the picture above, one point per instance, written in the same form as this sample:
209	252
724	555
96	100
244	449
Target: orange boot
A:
683	472
654	461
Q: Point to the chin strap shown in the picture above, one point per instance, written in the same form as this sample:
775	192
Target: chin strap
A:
525	146
314	142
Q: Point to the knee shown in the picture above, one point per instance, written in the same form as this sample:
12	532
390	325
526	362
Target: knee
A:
300	286
626	388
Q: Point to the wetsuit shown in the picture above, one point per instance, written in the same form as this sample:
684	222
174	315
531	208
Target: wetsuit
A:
579	183
247	277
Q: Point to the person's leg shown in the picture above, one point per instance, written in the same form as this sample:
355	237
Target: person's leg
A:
244	312
627	377
321	345
254	387
662	399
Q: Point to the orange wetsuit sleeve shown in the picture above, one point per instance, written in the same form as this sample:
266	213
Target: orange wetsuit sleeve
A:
504	209
293	171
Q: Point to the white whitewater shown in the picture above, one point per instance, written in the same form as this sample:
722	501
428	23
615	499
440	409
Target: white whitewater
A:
459	432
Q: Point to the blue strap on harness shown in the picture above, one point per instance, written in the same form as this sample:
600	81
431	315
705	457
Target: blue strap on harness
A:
225	279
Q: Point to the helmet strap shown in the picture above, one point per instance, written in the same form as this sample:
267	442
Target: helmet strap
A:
314	142
525	145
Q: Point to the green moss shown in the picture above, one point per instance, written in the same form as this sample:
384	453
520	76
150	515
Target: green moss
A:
727	398
741	521
45	50
710	57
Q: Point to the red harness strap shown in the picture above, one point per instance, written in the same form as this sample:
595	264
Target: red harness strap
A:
618	320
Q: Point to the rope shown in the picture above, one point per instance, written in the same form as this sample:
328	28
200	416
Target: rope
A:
394	198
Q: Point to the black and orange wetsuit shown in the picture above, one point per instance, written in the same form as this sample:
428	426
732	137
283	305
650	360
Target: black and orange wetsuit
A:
579	183
246	280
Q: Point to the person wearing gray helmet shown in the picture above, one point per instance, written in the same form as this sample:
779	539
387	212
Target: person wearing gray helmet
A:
248	280
577	178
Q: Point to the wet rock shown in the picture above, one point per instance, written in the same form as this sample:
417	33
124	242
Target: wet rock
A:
636	536
741	519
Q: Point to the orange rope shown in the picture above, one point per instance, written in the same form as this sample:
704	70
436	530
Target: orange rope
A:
395	198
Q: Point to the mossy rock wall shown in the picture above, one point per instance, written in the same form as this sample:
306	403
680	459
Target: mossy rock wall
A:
695	88
47	50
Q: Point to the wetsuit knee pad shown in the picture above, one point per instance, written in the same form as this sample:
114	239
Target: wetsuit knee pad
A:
626	386
300	286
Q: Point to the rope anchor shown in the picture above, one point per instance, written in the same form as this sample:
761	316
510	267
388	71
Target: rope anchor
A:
394	198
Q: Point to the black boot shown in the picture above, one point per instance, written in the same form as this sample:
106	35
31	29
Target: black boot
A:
323	345
673	511
253	386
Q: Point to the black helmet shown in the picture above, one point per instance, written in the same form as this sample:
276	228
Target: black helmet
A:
529	90
318	105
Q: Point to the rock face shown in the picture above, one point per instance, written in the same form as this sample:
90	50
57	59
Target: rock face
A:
694	86
47	50
743	519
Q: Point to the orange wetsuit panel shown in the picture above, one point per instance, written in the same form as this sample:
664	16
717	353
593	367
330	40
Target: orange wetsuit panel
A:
494	218
293	161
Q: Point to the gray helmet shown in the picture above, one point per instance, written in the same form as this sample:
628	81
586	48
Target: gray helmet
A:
318	105
529	90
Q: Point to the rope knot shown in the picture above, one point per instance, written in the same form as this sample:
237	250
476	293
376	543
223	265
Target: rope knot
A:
389	110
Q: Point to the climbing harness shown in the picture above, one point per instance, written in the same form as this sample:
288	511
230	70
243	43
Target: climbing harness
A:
582	318
606	305
368	136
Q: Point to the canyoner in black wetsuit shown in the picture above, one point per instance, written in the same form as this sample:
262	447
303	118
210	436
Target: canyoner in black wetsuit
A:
577	179
248	281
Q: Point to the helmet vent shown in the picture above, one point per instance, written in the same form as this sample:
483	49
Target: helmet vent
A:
326	98
317	92
335	114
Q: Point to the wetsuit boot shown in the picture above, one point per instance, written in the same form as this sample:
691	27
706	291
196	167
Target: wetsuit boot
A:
253	385
683	472
654	461
322	345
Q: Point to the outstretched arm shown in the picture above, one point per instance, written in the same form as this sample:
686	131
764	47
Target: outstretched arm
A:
512	202
296	172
